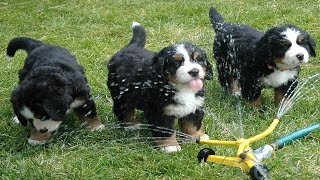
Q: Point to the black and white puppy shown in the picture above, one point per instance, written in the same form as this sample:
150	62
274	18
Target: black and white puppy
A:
249	60
51	83
166	85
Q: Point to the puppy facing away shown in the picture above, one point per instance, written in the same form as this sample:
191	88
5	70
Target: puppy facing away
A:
165	85
51	83
249	60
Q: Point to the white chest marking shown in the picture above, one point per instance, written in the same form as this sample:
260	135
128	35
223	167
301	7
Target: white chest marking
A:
186	103
278	78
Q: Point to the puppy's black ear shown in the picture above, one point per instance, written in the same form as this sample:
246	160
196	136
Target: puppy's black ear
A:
16	105
312	45
209	71
157	66
262	50
56	106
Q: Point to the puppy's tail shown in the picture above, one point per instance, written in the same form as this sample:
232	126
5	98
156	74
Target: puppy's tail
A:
139	35
24	43
216	19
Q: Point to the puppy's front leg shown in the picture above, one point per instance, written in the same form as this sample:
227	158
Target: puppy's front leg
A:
164	131
256	102
284	91
251	91
87	113
192	124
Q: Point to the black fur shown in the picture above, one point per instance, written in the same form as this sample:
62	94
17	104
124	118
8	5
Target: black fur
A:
142	79
49	82
246	56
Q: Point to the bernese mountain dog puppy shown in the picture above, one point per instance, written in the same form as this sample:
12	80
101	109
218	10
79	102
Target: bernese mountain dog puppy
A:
51	83
165	85
249	60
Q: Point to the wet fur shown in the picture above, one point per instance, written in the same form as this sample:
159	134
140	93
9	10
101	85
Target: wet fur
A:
249	60
147	80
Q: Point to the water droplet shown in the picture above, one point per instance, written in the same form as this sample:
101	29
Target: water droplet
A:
88	113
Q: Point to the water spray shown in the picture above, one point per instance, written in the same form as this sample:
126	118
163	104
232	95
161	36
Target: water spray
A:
248	159
245	157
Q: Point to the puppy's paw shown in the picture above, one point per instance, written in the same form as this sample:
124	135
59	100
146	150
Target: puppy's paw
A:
98	128
35	142
170	149
16	120
236	94
204	137
132	127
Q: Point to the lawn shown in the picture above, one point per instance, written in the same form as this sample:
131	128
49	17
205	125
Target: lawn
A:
94	30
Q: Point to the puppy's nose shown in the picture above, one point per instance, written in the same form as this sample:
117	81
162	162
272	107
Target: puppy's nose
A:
194	72
43	130
300	56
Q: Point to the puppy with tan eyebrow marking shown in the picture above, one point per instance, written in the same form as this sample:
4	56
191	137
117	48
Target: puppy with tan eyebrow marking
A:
166	85
249	60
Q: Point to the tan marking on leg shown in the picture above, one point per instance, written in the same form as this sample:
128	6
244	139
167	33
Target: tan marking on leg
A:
188	128
130	118
278	96
167	141
38	136
94	123
256	103
91	123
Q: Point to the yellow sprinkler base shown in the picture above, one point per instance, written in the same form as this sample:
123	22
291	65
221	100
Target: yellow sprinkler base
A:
245	159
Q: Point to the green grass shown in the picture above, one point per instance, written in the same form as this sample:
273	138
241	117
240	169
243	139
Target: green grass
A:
94	30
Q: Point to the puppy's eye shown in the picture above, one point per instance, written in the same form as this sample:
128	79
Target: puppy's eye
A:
285	42
300	40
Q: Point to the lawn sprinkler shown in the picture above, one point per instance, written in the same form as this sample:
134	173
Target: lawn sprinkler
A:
248	159
244	159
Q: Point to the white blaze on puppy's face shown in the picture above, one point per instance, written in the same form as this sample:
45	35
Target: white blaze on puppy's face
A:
187	85
184	72
40	124
296	54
